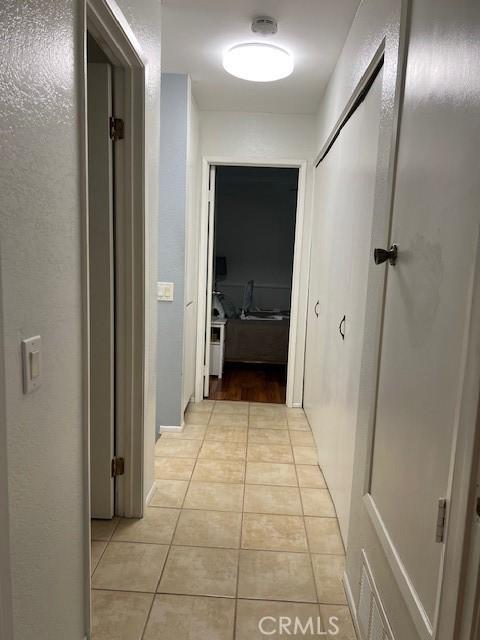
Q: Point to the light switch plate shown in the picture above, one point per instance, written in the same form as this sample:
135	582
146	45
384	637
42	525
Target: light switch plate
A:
165	291
31	361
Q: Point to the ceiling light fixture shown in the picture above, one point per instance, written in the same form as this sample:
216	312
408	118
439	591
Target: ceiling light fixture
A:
258	61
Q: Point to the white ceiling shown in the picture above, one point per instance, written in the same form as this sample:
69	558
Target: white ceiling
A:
195	33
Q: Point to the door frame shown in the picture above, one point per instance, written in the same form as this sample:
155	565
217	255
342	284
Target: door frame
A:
107	24
295	365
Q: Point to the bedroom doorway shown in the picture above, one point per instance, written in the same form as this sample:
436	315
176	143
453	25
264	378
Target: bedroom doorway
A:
250	305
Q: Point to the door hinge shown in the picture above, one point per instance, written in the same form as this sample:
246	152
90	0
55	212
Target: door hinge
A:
118	467
441	520
117	129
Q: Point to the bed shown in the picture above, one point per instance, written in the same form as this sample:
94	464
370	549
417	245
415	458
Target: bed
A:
257	340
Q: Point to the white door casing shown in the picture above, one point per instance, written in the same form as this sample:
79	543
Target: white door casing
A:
210	256
102	302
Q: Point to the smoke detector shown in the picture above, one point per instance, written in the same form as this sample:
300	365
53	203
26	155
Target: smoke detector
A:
265	25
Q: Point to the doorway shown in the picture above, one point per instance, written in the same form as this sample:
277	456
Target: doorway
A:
102	267
252	229
114	259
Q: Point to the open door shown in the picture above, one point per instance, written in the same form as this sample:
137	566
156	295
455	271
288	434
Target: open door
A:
208	306
101	272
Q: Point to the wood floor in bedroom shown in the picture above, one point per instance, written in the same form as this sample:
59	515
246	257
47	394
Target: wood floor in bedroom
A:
250	383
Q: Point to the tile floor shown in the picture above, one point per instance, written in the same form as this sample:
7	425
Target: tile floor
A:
241	526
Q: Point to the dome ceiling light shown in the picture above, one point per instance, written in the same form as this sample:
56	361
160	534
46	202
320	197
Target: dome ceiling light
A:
258	61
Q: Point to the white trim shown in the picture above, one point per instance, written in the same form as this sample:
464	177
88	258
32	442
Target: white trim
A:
171	429
294	367
151	493
106	22
452	604
412	599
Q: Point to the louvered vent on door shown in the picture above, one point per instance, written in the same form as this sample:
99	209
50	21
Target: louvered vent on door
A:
371	616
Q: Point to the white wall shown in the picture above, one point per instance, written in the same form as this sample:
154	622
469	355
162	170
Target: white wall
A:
192	236
265	137
40	254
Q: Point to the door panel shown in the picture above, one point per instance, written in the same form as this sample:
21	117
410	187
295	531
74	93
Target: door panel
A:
344	195
100	202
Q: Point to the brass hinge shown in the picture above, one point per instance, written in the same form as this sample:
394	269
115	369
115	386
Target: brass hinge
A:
117	129
441	520
118	467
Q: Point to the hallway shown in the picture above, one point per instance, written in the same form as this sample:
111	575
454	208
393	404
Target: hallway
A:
241	527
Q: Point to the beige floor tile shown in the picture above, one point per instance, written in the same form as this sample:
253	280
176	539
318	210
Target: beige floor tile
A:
226	434
271	473
324	535
229	419
130	566
169	493
103	529
190	432
343	622
328	571
305	455
219	471
268	436
97	548
213	450
197	417
295	411
260	422
317	502
198	528
176	448
206	406
273	532
267	410
310	476
281	453
200	571
271	575
294	419
255	616
302	438
299	426
174	468
214	496
272	499
232	408
119	615
190	618
156	527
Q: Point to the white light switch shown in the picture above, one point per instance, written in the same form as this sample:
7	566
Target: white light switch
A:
165	291
31	349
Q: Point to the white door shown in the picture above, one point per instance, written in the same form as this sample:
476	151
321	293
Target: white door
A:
344	196
101	270
210	254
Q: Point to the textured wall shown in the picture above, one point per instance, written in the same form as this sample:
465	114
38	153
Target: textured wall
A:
171	238
40	253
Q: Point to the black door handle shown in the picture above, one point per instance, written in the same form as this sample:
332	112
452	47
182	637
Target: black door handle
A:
341	327
316	308
382	255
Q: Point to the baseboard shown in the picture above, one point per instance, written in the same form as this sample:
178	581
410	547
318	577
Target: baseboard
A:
175	429
150	494
351	604
297	405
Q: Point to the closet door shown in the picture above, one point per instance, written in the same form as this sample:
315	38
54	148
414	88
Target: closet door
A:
344	196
